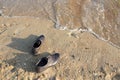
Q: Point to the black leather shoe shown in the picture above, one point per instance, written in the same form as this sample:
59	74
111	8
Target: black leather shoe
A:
46	62
37	44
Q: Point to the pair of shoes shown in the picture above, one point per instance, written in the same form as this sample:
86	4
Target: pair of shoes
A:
44	62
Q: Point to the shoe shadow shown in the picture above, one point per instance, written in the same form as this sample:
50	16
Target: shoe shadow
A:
25	61
24	45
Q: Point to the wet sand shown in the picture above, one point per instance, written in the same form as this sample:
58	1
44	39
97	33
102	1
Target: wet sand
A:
83	56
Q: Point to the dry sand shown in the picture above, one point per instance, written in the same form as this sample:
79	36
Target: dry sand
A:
83	57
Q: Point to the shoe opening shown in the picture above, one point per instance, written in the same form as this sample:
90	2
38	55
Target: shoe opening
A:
37	44
43	62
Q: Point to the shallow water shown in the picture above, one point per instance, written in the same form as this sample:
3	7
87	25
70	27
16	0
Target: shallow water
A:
98	17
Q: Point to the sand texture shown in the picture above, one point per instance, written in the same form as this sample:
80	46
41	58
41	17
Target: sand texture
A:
83	56
99	17
86	33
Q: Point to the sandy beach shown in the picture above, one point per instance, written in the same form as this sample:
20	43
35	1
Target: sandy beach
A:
86	33
82	58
